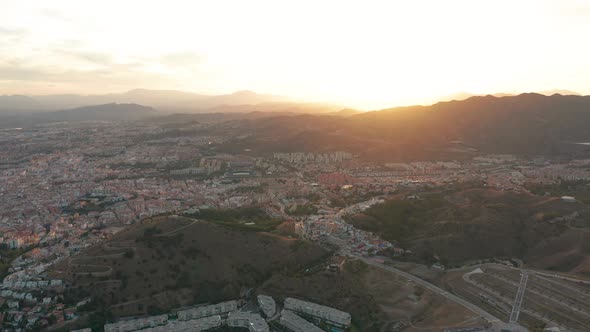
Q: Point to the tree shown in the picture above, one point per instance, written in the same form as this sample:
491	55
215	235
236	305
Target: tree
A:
418	291
153	310
129	253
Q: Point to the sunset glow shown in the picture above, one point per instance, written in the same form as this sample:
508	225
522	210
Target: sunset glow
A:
366	54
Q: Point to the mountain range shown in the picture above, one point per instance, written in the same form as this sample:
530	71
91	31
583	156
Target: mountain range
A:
531	123
24	111
465	95
180	101
163	100
106	112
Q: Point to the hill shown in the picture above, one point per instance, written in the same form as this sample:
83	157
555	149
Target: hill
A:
345	112
467	225
167	262
276	108
110	112
466	95
527	124
164	100
106	112
18	103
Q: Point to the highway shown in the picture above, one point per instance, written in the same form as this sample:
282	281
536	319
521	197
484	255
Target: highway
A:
489	317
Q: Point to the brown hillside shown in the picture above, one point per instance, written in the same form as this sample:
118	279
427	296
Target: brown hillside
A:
167	262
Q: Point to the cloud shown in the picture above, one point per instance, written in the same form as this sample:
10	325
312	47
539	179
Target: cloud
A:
97	58
65	46
71	63
111	77
11	36
182	60
55	15
578	10
122	72
12	32
19	74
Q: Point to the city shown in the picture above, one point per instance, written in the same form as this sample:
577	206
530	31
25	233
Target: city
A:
295	166
62	195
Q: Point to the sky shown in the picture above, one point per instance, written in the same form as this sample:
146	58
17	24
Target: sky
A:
365	54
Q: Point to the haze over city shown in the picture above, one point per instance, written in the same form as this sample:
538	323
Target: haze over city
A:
367	55
295	166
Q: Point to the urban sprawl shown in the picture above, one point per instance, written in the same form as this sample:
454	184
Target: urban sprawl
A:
65	187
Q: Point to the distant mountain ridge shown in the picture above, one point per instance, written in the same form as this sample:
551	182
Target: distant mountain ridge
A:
466	95
527	124
107	112
163	100
18	102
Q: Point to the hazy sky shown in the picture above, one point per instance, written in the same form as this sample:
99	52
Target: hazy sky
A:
361	53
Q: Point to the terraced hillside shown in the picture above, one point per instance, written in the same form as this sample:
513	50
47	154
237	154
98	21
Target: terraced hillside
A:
166	262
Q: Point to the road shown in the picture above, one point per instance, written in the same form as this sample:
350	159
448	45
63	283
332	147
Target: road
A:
529	271
511	303
558	276
532	290
519	297
489	317
583	293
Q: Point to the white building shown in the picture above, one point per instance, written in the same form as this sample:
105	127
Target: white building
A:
330	315
194	325
56	282
136	324
253	322
267	304
208	310
188	171
297	324
568	199
16	243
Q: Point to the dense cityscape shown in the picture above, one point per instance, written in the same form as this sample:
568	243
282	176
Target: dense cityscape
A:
69	186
